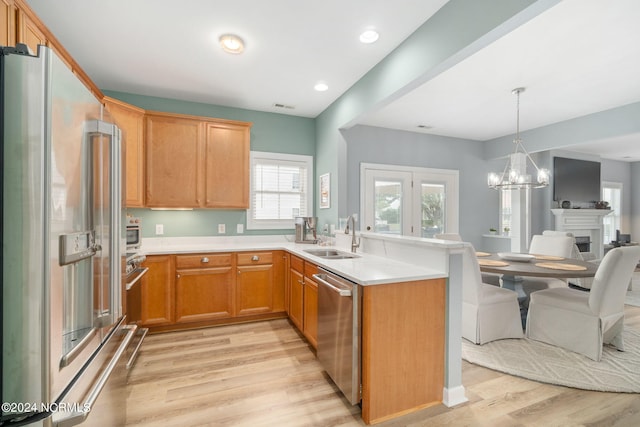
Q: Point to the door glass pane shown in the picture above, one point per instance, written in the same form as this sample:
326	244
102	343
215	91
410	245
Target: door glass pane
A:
433	209
388	207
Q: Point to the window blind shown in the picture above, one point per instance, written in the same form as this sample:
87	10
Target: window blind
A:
279	189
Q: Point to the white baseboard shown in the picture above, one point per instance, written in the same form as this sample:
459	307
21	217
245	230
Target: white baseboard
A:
454	396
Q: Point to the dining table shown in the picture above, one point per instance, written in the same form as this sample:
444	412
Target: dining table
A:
513	266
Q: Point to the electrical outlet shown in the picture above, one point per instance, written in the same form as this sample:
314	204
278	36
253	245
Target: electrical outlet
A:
221	229
159	229
239	229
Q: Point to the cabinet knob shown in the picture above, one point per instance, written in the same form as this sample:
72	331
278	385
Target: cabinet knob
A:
177	276
255	258
204	260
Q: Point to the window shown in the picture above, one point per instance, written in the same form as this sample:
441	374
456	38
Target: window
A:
506	205
612	193
280	190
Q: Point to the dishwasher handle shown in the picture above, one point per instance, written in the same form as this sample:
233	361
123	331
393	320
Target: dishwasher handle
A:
343	292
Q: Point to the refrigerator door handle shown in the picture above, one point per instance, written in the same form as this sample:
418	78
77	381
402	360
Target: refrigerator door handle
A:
78	417
143	333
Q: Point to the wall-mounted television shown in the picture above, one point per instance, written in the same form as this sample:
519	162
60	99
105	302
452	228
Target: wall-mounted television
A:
576	180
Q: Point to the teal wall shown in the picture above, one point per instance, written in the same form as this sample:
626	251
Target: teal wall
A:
270	132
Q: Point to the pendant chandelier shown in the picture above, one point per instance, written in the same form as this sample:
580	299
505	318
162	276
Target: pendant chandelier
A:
515	176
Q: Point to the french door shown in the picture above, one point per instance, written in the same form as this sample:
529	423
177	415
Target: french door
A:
409	201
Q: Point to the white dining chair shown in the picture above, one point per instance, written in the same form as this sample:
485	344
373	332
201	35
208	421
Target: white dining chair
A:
489	278
583	321
581	282
489	312
556	245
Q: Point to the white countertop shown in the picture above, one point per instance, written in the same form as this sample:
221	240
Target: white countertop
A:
366	269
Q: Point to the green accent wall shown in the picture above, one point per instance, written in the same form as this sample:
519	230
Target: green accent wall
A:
270	132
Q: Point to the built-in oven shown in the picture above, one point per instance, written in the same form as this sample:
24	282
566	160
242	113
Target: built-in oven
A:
134	233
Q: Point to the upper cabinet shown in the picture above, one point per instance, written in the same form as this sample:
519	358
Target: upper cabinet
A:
130	120
29	32
196	162
227	165
174	161
7	23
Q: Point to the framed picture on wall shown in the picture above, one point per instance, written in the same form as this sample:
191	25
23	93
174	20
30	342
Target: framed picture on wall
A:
325	191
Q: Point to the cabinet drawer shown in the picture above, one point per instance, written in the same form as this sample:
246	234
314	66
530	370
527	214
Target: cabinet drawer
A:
297	264
310	269
255	258
202	260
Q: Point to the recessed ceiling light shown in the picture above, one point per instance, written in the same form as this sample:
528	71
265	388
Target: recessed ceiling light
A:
369	36
231	43
321	87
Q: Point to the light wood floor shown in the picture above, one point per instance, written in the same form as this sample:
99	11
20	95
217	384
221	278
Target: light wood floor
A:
265	374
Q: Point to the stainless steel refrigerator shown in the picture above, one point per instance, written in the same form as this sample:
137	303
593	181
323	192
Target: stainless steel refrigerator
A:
63	237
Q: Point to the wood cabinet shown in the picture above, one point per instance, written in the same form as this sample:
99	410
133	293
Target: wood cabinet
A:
157	291
296	291
29	32
174	161
227	165
7	23
280	275
204	287
303	298
310	298
130	120
254	283
195	162
195	290
403	348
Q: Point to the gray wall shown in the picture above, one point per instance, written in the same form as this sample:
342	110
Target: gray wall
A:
478	204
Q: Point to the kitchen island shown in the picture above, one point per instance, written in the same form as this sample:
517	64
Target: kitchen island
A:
411	312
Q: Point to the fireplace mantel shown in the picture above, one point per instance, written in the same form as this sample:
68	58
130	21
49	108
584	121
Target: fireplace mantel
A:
583	222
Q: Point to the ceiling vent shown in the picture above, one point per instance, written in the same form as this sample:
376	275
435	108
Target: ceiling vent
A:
286	107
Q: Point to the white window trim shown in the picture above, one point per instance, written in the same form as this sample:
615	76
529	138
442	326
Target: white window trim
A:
616	215
256	224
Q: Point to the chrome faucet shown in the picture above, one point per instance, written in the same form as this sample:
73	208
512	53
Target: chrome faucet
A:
355	243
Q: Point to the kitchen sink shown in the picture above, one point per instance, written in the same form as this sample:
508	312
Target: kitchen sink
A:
330	254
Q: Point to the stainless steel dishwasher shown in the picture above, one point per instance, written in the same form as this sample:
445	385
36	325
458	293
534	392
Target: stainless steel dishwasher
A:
339	327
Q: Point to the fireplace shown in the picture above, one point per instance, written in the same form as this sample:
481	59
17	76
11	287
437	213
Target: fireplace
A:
586	225
583	243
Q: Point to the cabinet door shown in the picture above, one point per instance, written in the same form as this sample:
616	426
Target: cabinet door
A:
310	329
204	294
174	162
156	294
279	280
227	166
7	23
29	33
130	120
254	289
296	295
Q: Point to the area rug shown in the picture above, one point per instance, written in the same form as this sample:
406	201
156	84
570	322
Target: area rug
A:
617	371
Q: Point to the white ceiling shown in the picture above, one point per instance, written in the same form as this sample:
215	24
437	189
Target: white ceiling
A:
577	58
